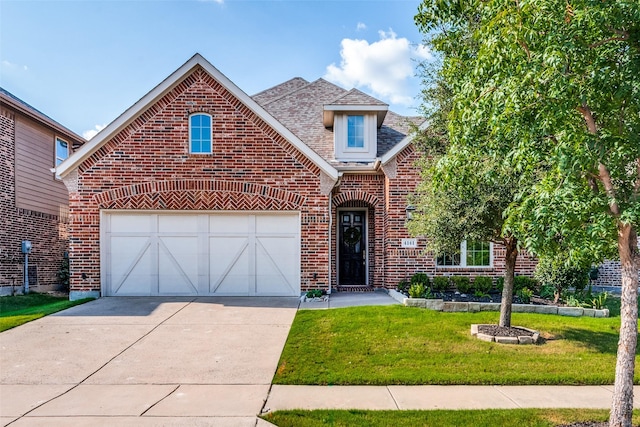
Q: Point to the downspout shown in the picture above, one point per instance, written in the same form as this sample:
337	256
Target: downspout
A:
330	231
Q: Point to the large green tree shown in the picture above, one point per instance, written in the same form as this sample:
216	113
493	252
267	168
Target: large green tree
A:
556	85
463	193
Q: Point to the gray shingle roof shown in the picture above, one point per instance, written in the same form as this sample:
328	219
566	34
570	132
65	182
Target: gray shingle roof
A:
299	105
356	97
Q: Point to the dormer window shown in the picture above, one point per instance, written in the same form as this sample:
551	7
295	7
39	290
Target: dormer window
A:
355	119
355	131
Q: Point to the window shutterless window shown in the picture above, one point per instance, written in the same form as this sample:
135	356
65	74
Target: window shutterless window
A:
355	131
200	133
62	151
471	254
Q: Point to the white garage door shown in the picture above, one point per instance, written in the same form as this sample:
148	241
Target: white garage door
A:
200	254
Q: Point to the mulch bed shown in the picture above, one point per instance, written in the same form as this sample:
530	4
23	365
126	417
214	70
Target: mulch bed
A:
585	424
502	331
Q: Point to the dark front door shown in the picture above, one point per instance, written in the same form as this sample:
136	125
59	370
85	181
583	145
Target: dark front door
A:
352	250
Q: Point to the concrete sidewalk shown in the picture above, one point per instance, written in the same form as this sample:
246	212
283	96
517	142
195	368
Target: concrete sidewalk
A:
431	397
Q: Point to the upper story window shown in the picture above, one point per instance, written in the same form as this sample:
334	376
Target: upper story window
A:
200	133
62	151
472	254
355	131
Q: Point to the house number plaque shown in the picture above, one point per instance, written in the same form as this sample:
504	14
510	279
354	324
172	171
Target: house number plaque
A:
409	243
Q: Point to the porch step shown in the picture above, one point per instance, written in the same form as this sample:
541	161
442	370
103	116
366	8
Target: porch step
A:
354	289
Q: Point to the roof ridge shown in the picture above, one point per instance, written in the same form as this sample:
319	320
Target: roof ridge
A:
278	98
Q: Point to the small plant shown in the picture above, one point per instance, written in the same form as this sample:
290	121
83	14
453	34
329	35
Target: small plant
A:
483	284
600	300
417	290
547	292
315	293
462	283
420	279
440	283
403	285
480	294
521	282
525	295
500	284
63	273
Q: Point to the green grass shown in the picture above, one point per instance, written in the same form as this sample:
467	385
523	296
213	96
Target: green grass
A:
20	309
439	418
405	345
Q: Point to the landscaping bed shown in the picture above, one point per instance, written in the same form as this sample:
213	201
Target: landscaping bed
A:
470	304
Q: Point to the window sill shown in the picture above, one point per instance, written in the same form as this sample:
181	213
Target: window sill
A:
467	268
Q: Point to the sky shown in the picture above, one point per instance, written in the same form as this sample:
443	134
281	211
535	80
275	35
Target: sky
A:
84	62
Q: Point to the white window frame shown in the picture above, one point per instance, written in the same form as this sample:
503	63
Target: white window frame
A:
341	138
58	159
463	258
364	132
210	130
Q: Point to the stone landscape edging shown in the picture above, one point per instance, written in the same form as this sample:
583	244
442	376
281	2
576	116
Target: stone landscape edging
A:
473	307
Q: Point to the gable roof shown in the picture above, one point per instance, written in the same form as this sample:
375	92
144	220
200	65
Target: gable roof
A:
167	85
301	107
13	101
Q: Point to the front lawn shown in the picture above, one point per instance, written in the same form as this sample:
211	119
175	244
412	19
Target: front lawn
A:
385	345
19	309
440	418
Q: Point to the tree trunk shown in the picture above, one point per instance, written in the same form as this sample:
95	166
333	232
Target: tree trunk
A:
511	245
622	404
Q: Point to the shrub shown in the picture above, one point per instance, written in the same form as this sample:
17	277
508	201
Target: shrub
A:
417	290
315	293
522	282
554	272
462	283
500	284
525	295
403	285
420	279
440	283
483	284
547	292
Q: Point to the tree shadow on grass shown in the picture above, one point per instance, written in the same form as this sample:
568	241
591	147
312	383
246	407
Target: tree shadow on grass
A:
603	342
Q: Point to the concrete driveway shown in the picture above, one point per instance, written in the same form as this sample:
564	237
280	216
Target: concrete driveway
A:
145	362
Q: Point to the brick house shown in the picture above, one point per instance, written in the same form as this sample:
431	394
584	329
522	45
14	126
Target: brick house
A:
200	189
34	204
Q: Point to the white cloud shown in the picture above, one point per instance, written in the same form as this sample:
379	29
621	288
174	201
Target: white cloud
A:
386	66
88	134
213	1
11	66
361	26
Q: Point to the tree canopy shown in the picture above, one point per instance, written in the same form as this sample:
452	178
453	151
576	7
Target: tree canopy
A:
553	89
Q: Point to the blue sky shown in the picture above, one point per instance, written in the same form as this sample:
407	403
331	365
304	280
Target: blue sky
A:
84	62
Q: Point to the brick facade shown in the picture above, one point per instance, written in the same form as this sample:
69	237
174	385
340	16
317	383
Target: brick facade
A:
48	233
147	166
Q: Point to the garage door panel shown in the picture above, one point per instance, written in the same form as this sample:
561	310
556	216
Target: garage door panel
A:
201	253
281	224
275	273
131	223
178	265
229	265
131	265
229	224
178	224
